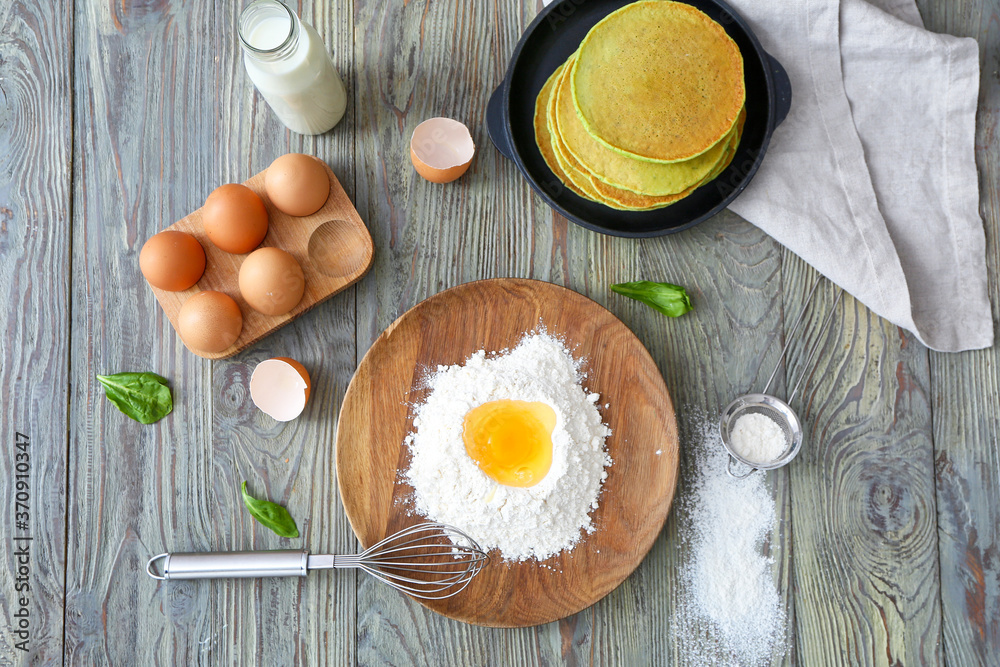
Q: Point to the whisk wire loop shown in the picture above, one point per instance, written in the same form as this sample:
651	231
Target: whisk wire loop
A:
428	560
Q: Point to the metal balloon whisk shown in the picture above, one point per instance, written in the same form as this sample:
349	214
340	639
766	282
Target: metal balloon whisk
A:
431	561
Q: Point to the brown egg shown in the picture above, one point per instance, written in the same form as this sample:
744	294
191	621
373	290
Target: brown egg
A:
171	260
209	321
234	218
271	281
297	184
441	149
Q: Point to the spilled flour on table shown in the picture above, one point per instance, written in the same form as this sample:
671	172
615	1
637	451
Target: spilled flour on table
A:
730	610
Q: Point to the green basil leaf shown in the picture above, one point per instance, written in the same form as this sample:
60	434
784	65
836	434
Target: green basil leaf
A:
671	300
145	397
271	515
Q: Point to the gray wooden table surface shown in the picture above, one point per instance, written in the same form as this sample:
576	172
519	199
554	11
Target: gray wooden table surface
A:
118	118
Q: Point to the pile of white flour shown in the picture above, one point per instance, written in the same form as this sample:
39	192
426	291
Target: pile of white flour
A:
523	523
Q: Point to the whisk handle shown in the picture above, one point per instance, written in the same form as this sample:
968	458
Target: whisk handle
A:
231	565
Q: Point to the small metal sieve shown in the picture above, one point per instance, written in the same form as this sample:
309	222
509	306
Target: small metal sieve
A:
779	412
774	408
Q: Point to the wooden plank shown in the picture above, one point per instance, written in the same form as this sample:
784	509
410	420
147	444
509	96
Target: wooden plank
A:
274	621
865	566
965	393
144	150
35	191
417	60
727	345
151	149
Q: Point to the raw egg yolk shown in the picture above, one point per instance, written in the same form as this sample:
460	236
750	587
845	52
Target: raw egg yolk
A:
511	441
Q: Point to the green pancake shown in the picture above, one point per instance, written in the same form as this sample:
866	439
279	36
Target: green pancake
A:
658	81
544	140
615	169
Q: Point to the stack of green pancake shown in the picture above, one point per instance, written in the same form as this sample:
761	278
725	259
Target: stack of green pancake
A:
649	108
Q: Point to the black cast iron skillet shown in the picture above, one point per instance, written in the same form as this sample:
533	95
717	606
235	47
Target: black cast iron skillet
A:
550	39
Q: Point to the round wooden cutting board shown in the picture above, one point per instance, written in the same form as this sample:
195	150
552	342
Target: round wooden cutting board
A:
494	315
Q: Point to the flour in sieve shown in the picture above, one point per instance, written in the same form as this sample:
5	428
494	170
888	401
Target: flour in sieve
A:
523	523
758	438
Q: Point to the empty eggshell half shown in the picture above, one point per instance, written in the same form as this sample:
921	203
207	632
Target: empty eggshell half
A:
441	149
280	388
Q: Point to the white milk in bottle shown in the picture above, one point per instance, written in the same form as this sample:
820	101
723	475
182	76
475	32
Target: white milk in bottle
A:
291	68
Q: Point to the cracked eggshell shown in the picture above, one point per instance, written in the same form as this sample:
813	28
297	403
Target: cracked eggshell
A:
441	149
279	387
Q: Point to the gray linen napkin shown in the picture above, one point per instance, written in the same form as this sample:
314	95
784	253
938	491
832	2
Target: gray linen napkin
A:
872	178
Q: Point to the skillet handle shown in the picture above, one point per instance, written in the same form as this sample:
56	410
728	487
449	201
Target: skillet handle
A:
494	123
782	90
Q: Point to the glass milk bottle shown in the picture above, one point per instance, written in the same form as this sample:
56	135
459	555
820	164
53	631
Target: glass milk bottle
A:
291	68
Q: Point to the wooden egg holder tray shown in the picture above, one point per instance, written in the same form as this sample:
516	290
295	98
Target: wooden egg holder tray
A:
333	247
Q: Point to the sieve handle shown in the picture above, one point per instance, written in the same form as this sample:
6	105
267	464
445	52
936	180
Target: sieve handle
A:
729	469
231	565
